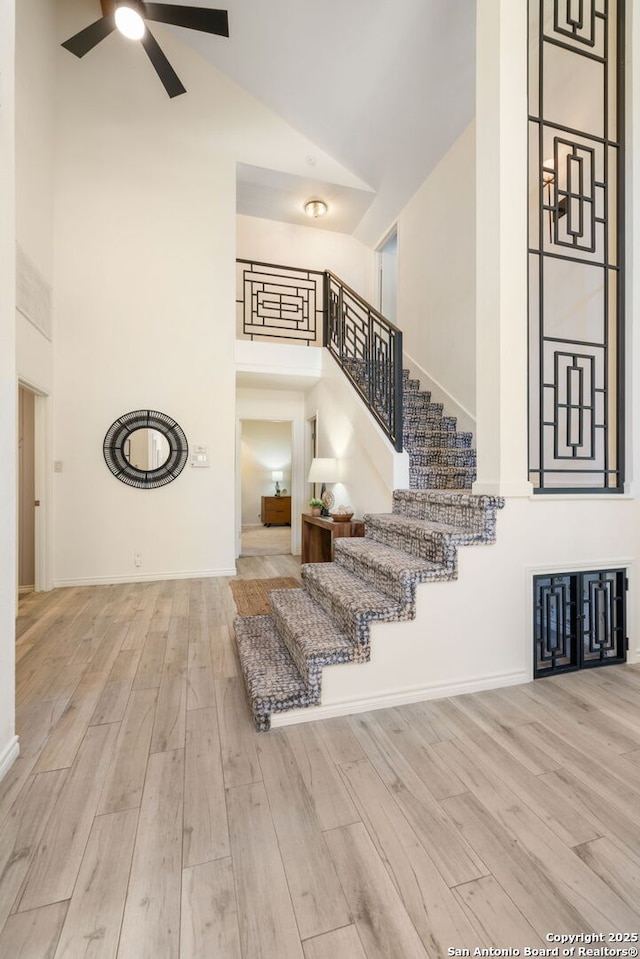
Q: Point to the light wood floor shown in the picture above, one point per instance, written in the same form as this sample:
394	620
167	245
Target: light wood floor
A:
265	540
145	819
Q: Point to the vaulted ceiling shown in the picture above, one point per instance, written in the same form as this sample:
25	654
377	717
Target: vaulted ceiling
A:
383	86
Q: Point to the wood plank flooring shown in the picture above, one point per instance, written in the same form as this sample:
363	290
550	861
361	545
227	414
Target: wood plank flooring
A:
146	819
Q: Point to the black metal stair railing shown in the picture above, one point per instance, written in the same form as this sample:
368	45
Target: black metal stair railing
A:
279	302
295	305
369	349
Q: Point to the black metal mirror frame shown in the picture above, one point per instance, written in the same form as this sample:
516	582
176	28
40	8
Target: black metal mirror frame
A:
120	431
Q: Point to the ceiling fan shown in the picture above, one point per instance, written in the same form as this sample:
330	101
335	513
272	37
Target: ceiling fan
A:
130	18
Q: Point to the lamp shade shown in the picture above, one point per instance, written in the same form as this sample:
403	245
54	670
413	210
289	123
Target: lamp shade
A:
277	476
323	470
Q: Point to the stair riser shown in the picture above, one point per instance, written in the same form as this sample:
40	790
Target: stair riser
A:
476	518
419	419
440	439
420	403
261	655
402	590
415	394
309	672
416	428
290	618
427	477
426	544
356	626
443	457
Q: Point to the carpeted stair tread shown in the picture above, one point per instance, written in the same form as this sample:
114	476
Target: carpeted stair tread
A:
460	508
352	602
416	395
427	438
459	534
442	456
306	625
455	498
414	426
271	678
442	477
415	417
393	571
421	402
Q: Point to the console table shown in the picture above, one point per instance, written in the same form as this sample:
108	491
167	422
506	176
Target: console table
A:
318	534
275	509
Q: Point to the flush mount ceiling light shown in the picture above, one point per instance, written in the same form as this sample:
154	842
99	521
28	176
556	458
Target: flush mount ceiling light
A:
315	208
131	18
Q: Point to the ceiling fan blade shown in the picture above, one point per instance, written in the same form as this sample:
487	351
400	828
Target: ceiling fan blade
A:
163	68
88	38
194	18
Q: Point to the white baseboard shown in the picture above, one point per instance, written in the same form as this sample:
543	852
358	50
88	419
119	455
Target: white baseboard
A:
398	697
8	756
146	577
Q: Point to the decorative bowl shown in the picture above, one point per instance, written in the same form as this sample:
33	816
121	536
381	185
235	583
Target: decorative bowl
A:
341	517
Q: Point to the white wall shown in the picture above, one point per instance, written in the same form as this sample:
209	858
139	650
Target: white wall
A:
35	130
288	244
35	147
370	469
266	446
436	275
8	392
144	278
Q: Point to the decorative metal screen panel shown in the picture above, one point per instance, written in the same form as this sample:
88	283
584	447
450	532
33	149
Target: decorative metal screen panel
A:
279	302
579	620
369	349
576	245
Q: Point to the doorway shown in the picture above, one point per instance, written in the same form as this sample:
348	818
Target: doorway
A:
27	503
388	276
266	484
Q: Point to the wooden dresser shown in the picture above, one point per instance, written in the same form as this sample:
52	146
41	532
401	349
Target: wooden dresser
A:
275	509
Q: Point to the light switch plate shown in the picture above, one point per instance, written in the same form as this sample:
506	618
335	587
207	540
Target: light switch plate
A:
200	456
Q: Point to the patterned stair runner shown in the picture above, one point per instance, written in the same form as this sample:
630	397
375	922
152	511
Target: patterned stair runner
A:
372	579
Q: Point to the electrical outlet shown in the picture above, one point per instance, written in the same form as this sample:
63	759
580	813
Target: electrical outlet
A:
137	559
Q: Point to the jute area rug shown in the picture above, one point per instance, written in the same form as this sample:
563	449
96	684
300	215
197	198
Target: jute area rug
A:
251	596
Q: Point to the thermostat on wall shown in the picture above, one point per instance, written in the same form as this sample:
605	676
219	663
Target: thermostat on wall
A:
200	456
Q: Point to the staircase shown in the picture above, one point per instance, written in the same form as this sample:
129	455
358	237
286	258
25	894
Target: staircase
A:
372	579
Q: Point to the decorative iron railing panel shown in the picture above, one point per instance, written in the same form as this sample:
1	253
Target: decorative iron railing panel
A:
369	349
294	305
576	248
279	302
579	620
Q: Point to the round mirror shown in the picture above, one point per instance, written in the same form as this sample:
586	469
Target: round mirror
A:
145	448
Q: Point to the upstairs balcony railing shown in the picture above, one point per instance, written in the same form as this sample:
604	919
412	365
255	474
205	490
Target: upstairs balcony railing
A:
293	305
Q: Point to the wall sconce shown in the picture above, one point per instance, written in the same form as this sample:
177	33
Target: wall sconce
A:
315	208
324	470
277	476
549	177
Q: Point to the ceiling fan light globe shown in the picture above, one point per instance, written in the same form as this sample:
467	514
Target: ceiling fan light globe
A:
129	22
